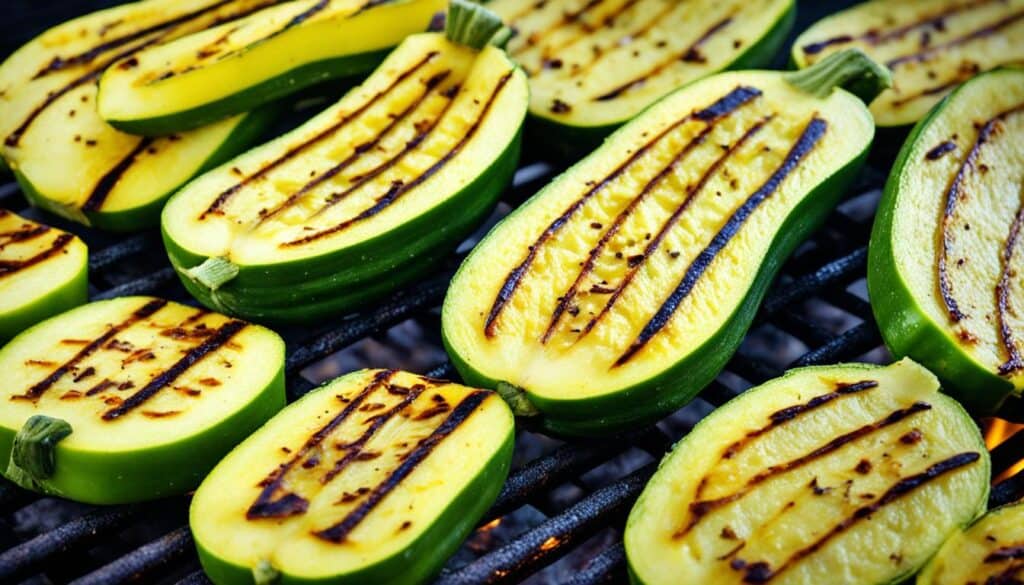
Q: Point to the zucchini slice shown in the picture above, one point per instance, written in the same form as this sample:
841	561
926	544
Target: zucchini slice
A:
825	475
931	46
991	551
240	65
947	252
133	398
363	197
67	159
594	64
622	288
43	271
375	477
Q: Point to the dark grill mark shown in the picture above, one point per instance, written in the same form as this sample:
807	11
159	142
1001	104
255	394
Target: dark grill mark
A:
810	137
25	233
167	377
338	532
940	150
598	54
290	504
722	107
691	54
1014	360
144	312
225	195
9	267
942	88
572	17
1007	577
982	32
652	246
554	49
762	572
105	384
399	188
701	508
953	195
107	183
1006	553
876	38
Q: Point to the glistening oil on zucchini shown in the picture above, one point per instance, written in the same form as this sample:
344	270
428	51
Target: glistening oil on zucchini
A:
246	63
375	477
66	158
367	195
988	551
621	289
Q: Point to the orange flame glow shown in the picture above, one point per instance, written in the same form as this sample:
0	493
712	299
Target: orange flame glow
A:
998	431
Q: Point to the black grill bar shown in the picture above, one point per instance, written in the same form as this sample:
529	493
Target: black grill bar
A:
143	561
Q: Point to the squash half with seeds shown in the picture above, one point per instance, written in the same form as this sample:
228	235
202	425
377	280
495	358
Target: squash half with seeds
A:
989	552
365	196
594	64
43	271
931	46
132	399
836	474
375	477
243	64
622	288
72	163
947	250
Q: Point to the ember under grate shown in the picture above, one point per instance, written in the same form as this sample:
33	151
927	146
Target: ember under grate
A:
559	518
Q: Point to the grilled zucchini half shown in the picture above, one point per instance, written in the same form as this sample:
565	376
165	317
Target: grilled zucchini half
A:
622	288
375	477
43	271
990	552
238	66
825	475
67	159
947	248
133	398
363	197
593	65
931	46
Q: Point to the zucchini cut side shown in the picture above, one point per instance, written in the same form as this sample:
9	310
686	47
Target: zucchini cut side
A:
375	477
989	551
947	253
825	475
154	392
243	64
368	192
593	65
43	271
619	290
67	159
931	46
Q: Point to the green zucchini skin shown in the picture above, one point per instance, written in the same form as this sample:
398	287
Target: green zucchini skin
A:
906	329
253	97
247	132
650	401
68	296
568	142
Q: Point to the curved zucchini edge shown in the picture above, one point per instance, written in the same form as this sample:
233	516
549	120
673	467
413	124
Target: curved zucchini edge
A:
710	420
569	142
254	96
147	215
66	296
906	329
649	401
422	559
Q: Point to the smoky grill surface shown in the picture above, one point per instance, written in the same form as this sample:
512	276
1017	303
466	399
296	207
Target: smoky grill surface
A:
560	516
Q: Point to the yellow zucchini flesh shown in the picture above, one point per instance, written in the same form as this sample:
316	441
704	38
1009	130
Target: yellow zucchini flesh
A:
154	393
70	161
947	252
244	63
837	474
989	552
43	271
597	63
611	295
375	477
931	46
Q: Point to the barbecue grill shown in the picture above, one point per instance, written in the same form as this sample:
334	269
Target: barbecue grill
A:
560	516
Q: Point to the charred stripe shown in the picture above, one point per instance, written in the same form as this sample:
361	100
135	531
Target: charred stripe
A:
976	34
108	181
1014	361
9	267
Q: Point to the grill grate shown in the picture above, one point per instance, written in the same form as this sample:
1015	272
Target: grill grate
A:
564	503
